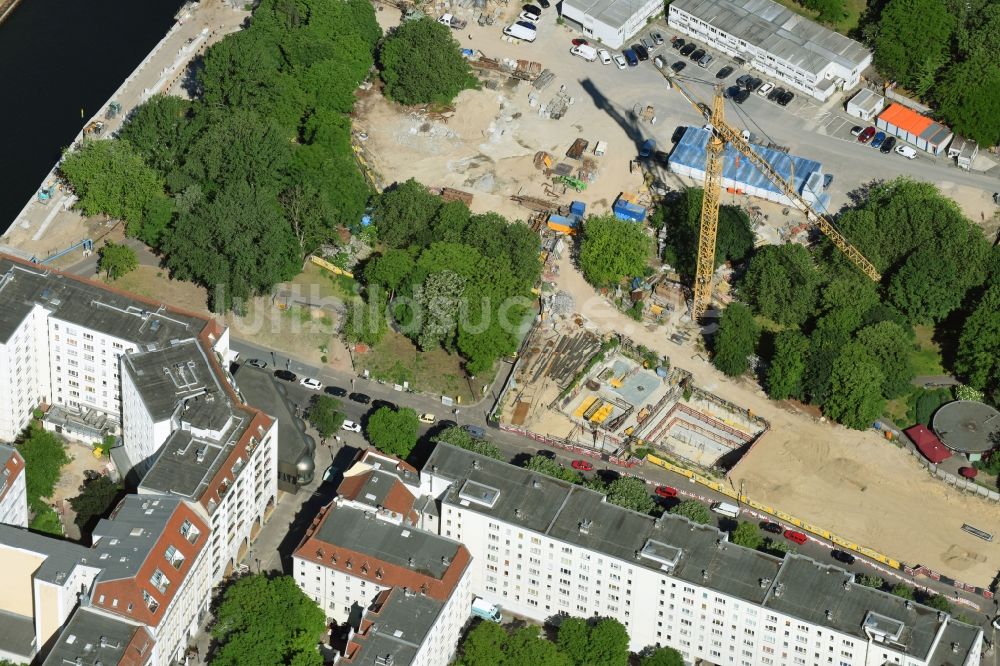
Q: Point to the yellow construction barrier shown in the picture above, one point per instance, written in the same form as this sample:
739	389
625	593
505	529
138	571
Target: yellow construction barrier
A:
777	513
336	270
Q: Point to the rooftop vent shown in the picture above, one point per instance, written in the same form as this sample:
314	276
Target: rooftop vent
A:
475	464
764	582
384	660
778	589
535	483
518	513
445	560
154	326
409	562
847	585
704	574
585	526
908	604
829	615
955	647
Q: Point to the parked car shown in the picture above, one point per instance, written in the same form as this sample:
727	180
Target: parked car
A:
579	41
257	363
878	139
360	398
705	61
665	491
677	43
640	52
427	417
754	84
697	55
658	62
379	404
744	81
647	43
827	180
678	133
604	56
773	528
582	465
785	98
843	556
857	130
741	96
647	148
544	4
657	37
524	30
528	15
335	391
775	94
545	453
311	384
867	135
285	375
631	57
888	144
445	424
724	72
764	89
620	61
350	426
688	49
906	151
476	431
796	537
585	51
678	66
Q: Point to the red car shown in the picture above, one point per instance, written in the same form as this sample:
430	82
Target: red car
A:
582	465
867	134
579	42
968	472
666	491
797	537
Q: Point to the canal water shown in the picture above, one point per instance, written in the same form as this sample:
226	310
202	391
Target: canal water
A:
56	58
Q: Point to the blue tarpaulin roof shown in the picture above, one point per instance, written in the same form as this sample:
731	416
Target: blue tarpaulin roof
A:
690	152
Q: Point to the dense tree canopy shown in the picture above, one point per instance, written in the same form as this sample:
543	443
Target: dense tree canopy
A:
460	437
613	249
44	456
781	283
979	345
735	340
682	218
325	415
788	365
855	388
99	495
265	620
421	63
694	511
748	535
631	493
552	468
393	431
490	644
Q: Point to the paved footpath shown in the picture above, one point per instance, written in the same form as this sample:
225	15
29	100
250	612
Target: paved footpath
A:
161	71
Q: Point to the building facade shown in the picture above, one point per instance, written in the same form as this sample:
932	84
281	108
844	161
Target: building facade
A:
13	489
610	21
542	547
776	41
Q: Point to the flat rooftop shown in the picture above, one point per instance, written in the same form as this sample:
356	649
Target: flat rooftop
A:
399	627
967	426
781	32
17	634
87	304
614	13
94	638
61	557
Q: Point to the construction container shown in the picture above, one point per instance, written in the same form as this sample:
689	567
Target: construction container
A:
577	208
562	224
626	210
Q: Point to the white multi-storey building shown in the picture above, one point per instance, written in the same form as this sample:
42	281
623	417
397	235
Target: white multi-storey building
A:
13	488
542	547
784	45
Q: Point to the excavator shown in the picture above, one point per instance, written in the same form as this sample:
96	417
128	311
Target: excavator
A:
723	133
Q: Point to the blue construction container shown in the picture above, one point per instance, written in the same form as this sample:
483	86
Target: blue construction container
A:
578	208
626	210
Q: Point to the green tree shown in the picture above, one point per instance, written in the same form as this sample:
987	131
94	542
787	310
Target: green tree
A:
527	647
932	282
393	432
735	340
937	602
682	219
612	249
439	299
573	639
694	511
263	620
47	521
748	535
365	321
44	456
855	388
978	359
870	580
483	645
828	11
781	283
608	644
551	468
788	365
116	260
389	269
110	178
100	494
161	131
911	34
903	591
631	493
460	437
403	214
888	344
665	656
325	415
422	63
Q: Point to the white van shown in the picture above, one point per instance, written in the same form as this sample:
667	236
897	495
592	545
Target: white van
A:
522	30
726	509
585	51
906	151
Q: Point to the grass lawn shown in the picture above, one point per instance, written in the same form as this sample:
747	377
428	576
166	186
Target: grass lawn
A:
155	284
926	355
314	280
397	359
896	410
854	9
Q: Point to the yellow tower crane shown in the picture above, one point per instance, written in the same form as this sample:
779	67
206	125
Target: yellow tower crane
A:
723	133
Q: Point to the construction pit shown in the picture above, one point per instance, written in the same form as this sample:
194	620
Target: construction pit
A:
574	385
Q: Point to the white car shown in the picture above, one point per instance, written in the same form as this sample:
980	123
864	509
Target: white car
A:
659	62
585	51
527	16
620	61
427	418
764	89
350	426
604	56
310	383
906	151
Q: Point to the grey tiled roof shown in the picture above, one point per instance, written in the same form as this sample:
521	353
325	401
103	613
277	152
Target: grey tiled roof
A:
61	557
399	628
778	30
93	638
122	545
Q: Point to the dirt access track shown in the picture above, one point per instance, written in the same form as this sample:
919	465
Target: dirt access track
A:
853	483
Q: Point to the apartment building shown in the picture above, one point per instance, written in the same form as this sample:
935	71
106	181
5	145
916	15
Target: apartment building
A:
542	547
13	488
92	637
769	37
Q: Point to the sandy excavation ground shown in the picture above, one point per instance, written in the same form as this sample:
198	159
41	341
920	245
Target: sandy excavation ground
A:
853	483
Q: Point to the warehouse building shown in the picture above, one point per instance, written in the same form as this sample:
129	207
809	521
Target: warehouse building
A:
610	21
912	127
865	105
739	176
775	40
